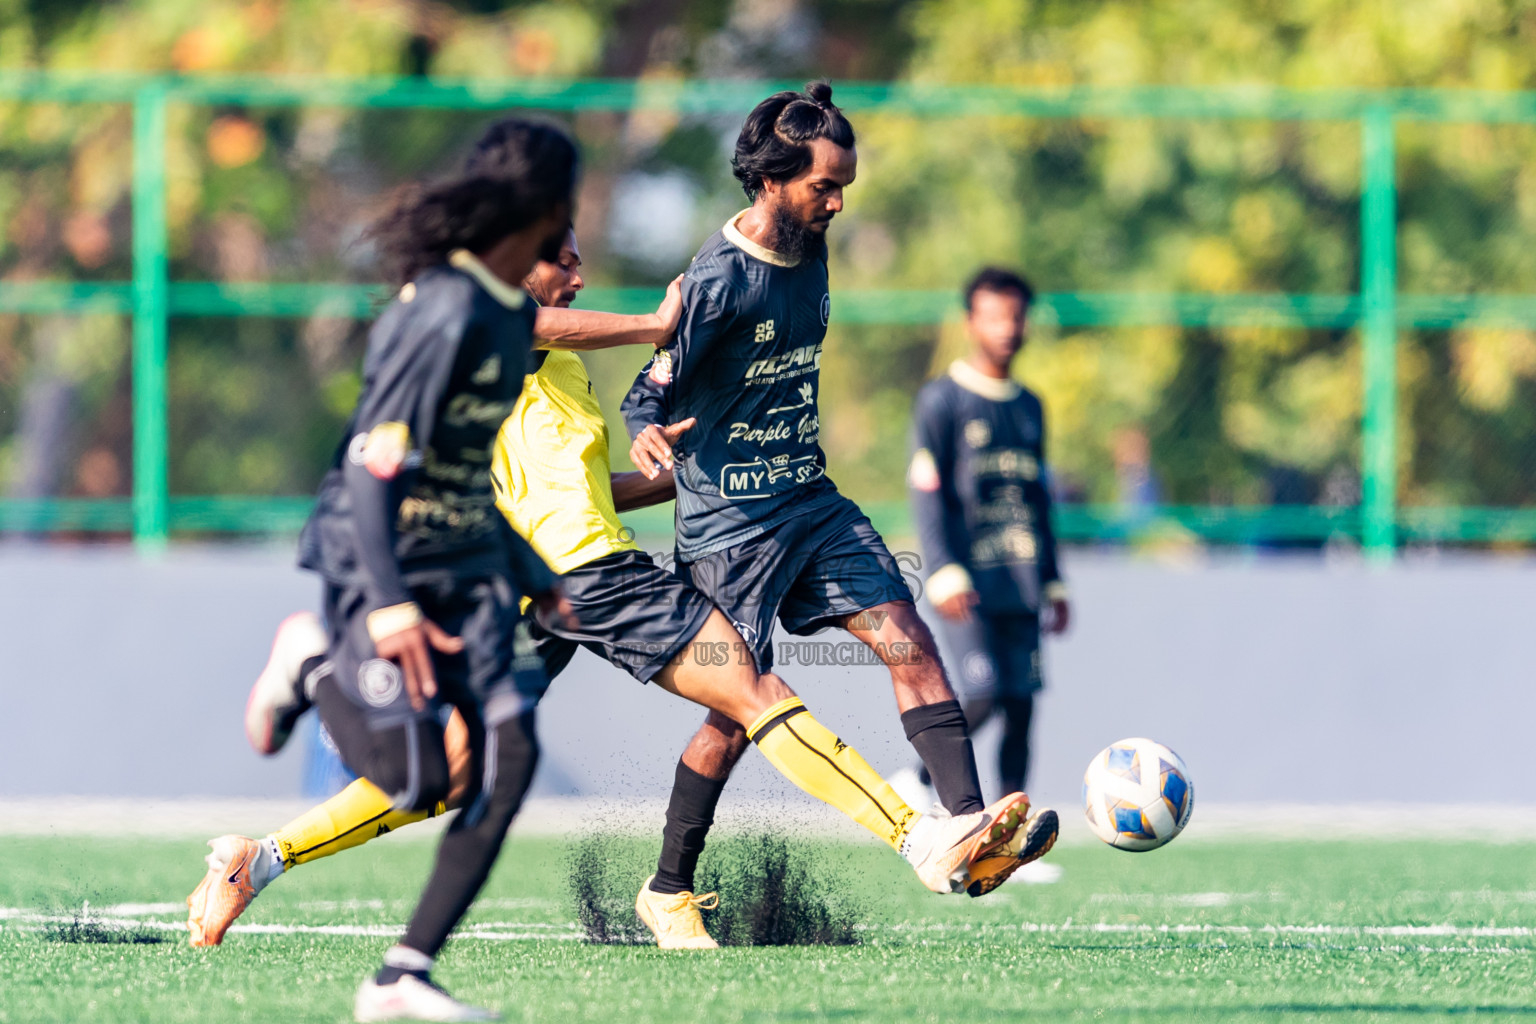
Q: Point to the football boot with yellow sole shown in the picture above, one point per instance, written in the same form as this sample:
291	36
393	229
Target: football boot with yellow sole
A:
674	917
955	845
1028	845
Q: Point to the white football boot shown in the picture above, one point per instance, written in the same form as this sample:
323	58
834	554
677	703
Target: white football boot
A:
945	850
279	698
411	998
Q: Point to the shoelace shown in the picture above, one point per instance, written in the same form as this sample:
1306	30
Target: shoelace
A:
705	900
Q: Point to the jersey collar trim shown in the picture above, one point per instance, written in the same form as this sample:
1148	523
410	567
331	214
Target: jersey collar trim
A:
733	235
469	263
976	382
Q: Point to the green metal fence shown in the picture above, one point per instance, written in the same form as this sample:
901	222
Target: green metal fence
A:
1378	311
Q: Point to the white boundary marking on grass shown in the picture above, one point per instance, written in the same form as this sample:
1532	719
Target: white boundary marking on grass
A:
496	931
528	931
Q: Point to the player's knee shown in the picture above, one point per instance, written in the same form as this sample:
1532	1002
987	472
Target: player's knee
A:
772	688
725	740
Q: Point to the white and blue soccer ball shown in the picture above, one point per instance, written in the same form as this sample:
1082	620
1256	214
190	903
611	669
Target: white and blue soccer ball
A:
1137	795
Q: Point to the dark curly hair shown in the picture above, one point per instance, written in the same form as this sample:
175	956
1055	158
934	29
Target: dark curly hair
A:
519	171
997	279
774	144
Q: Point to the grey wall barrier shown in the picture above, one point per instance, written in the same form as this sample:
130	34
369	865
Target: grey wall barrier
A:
1292	679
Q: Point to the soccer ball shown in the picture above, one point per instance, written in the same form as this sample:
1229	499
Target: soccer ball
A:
1137	795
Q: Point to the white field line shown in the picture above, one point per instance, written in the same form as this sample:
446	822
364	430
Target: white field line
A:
496	931
1225	899
519	931
1106	927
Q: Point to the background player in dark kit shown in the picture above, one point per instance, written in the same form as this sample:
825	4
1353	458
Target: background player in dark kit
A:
983	511
419	599
761	530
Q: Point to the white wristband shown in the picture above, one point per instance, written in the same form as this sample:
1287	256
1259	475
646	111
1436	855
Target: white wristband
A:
947	581
397	618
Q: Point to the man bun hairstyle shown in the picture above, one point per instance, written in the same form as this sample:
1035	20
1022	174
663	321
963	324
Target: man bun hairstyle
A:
998	279
518	172
775	141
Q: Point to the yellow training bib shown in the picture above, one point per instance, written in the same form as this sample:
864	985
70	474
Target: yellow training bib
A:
550	468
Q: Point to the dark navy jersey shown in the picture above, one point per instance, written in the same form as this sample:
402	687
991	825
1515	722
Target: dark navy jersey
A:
745	362
409	489
978	487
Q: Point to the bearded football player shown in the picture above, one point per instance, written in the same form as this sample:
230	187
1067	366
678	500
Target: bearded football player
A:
761	529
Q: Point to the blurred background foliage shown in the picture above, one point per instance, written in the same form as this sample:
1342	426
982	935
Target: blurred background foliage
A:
1138	415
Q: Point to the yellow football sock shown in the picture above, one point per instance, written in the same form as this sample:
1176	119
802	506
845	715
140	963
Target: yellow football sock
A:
809	755
350	818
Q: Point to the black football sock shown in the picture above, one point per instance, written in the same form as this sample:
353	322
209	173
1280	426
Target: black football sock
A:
938	733
1013	752
976	714
690	813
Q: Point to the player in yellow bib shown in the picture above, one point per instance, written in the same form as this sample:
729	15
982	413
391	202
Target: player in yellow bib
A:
554	486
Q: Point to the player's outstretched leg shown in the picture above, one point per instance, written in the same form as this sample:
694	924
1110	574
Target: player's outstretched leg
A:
239	867
915	783
930	713
941	850
936	725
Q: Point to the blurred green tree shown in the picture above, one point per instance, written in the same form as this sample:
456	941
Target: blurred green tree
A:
1242	415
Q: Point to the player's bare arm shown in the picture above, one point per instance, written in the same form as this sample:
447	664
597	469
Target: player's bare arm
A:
636	490
587	330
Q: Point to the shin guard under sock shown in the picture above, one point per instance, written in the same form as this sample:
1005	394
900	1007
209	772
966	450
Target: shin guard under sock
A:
809	755
938	733
690	813
357	814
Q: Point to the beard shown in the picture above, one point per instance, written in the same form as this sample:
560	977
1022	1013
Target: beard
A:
792	237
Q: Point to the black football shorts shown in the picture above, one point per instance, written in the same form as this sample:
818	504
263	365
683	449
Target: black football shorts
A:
633	613
810	572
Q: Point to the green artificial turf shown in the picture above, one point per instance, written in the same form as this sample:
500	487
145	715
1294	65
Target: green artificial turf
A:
1202	930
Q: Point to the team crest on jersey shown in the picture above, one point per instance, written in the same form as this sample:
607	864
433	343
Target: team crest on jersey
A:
489	372
764	332
661	368
978	433
379	682
826	309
